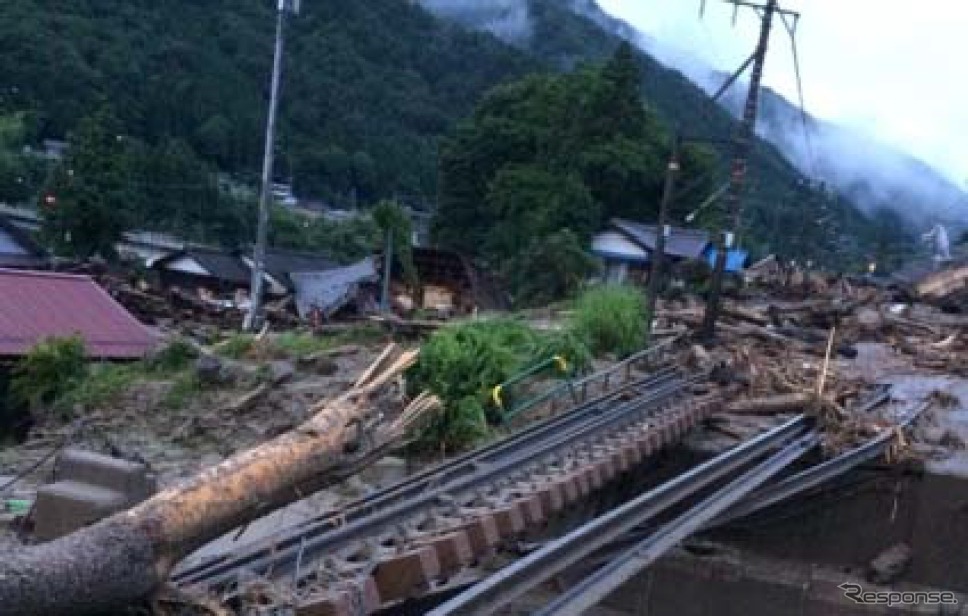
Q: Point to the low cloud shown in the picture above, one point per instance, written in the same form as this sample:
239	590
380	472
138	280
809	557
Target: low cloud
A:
507	19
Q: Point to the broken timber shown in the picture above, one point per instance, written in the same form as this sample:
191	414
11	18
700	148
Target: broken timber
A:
127	557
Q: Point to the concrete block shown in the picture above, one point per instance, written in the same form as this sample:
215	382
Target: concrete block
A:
402	576
552	499
454	551
129	478
482	534
347	599
65	506
530	506
509	519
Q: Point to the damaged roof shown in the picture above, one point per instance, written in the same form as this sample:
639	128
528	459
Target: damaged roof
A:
216	263
683	243
329	291
281	264
40	305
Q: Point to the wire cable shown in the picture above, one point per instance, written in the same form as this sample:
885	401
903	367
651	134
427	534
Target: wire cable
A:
792	31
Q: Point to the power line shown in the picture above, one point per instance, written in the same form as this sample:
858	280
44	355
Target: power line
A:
742	145
792	31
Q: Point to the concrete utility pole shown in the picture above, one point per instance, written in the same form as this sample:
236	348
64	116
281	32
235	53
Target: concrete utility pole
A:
672	170
252	318
741	146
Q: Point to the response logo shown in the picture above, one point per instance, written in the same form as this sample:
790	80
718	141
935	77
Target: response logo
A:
891	598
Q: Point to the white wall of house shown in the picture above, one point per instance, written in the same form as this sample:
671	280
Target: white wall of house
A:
611	244
187	265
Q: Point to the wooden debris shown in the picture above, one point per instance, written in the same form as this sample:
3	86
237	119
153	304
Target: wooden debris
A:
773	405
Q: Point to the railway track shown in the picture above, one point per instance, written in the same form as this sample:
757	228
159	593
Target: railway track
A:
793	439
633	540
415	536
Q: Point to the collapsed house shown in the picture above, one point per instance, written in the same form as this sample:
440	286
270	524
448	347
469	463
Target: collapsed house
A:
206	271
626	248
447	283
321	295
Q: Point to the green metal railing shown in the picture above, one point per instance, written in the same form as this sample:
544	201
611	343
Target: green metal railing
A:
576	390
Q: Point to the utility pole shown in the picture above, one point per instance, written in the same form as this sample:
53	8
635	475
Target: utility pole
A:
252	318
658	254
741	149
387	271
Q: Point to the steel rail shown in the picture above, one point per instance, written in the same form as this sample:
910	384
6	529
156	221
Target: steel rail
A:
193	571
279	558
593	589
416	484
817	475
496	591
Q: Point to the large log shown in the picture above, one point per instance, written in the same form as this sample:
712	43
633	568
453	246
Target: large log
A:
128	556
785	403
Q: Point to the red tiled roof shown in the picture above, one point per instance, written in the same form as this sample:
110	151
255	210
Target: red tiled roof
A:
37	305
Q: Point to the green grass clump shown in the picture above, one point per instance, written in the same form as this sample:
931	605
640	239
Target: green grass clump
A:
611	319
185	387
103	383
462	363
48	371
56	376
236	346
175	357
294	344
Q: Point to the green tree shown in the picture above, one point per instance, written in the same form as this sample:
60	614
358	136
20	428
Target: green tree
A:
394	222
555	153
90	200
549	268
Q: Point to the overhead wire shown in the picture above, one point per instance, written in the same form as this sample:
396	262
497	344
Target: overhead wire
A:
792	31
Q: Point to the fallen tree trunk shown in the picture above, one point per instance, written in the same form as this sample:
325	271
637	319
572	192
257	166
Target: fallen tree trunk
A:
786	403
128	556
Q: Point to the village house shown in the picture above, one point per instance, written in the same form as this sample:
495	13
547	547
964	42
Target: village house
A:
625	249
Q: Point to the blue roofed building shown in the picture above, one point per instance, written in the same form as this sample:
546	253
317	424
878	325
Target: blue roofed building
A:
626	247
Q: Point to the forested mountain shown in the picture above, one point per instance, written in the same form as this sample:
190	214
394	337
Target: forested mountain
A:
784	212
370	88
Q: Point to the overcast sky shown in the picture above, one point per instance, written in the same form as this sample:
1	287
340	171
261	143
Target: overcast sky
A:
897	69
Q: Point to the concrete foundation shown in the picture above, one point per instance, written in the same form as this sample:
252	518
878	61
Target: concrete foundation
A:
89	487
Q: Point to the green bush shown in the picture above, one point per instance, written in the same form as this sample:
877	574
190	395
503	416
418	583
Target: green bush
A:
611	319
177	356
102	383
185	387
51	369
236	346
462	363
295	344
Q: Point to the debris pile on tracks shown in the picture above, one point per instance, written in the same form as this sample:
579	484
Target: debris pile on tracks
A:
780	356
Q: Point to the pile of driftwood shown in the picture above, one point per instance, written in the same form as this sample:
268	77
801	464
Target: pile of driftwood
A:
783	356
126	558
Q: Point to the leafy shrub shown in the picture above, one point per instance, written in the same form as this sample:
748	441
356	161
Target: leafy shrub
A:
102	383
462	363
48	371
236	346
566	344
185	387
298	344
175	357
610	319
